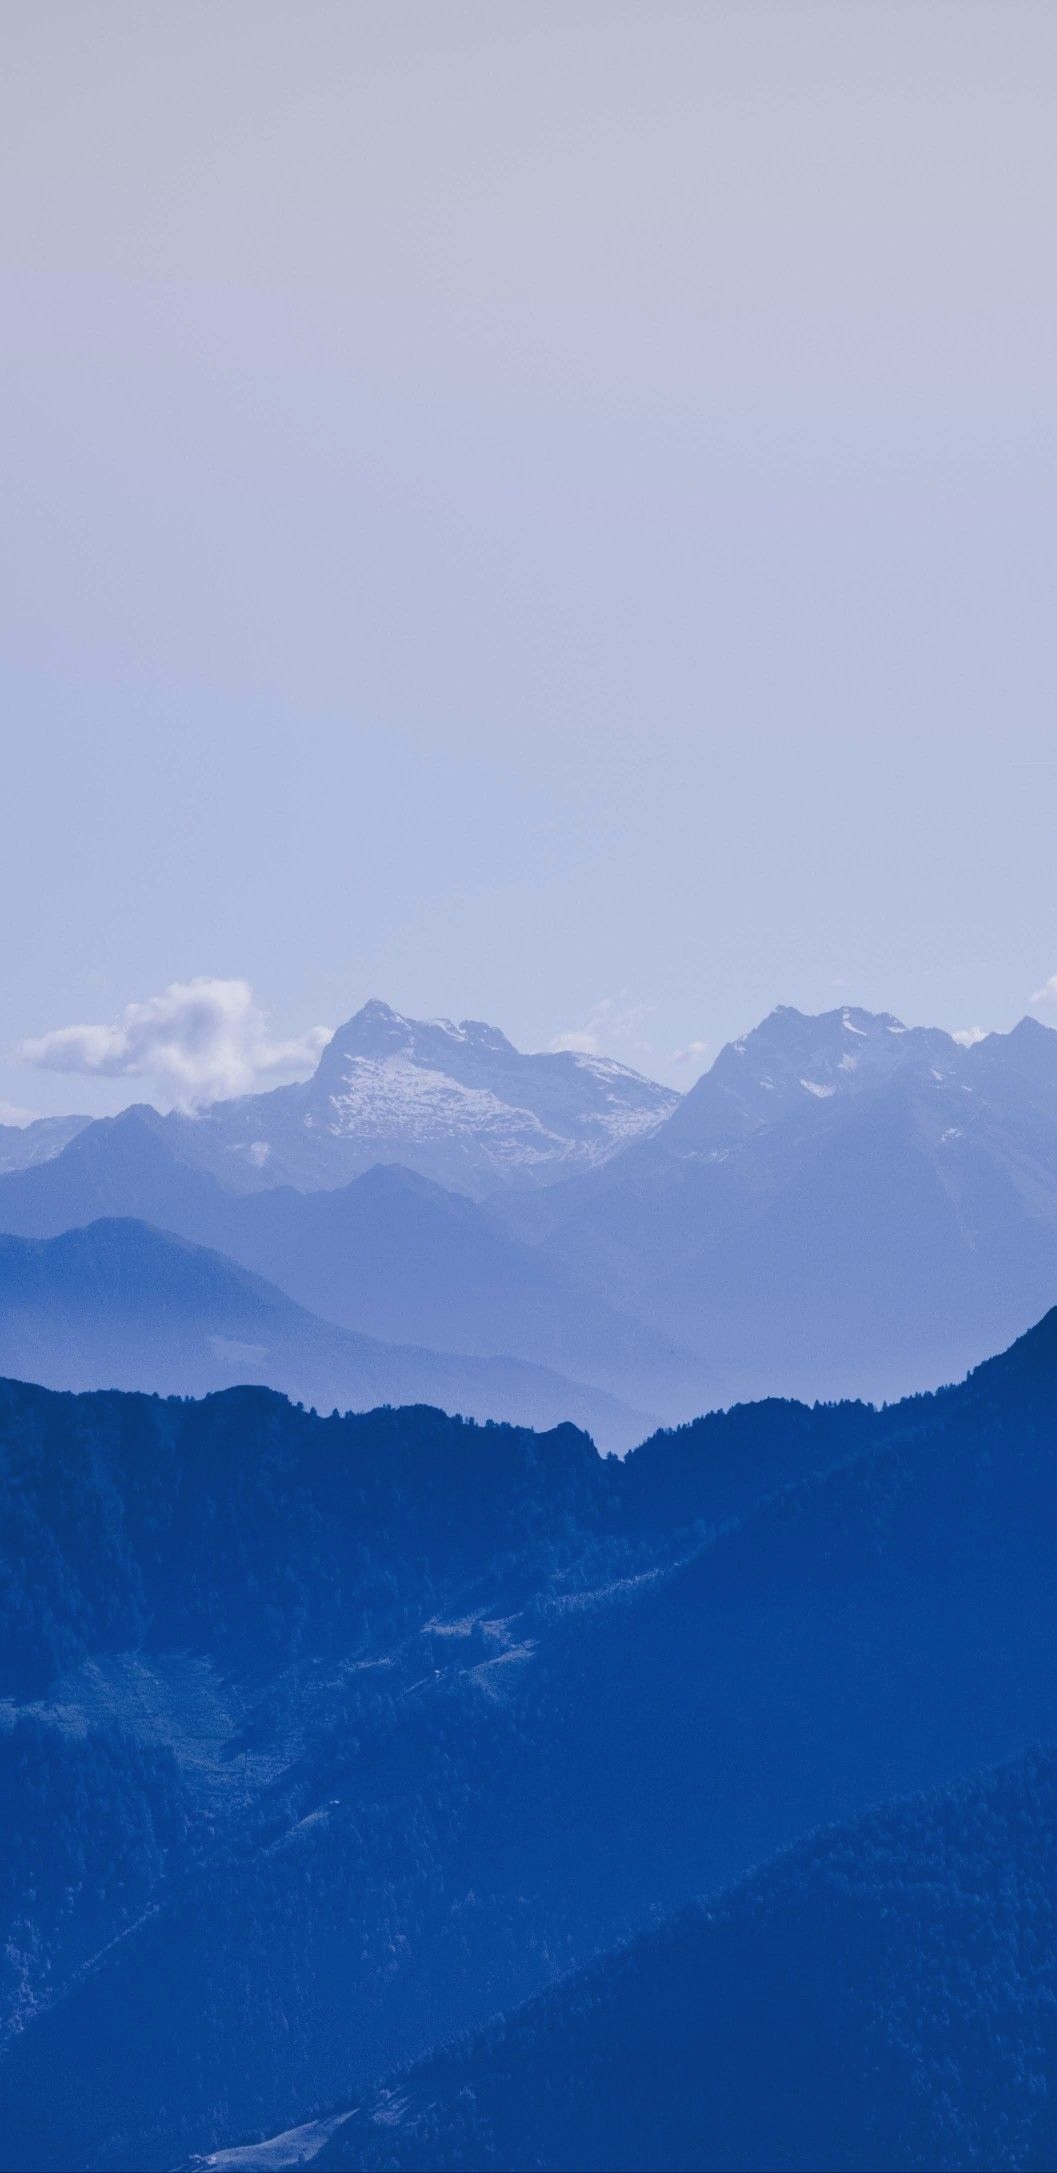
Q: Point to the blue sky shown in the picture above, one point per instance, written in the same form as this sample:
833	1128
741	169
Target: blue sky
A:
537	513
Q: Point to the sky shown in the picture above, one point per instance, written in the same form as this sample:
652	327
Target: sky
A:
534	512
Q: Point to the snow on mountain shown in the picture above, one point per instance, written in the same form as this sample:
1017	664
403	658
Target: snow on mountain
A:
842	1205
458	1103
792	1059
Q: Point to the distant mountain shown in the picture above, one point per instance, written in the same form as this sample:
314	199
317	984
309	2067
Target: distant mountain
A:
391	1255
126	1166
23	1145
457	1103
118	1304
455	1710
883	1994
841	1205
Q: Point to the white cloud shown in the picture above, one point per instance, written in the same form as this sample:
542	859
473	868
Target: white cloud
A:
1047	994
968	1036
582	1044
199	1041
692	1054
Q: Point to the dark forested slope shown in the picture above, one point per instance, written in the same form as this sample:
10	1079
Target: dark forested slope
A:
496	1703
883	1994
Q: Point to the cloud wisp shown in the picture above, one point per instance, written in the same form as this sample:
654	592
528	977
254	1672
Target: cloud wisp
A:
581	1043
1047	994
612	1019
198	1041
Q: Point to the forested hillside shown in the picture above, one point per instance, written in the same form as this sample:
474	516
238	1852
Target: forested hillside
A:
444	1710
883	1994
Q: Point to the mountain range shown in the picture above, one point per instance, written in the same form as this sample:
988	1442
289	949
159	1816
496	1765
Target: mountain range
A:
841	1206
328	1740
457	1103
119	1304
416	1785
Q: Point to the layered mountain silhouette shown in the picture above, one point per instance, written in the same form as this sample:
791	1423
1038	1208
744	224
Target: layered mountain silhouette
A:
720	1772
391	1255
841	1206
449	1711
118	1304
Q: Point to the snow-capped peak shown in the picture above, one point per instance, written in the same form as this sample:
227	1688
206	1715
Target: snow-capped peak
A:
455	1101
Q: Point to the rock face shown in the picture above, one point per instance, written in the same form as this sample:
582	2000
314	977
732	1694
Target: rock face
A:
457	1103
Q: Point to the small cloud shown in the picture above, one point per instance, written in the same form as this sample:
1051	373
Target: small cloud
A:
581	1044
1047	994
692	1054
611	1019
968	1036
11	1114
199	1041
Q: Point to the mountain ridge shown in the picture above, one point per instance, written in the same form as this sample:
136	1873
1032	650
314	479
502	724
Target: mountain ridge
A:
456	1102
841	1206
391	1255
116	1303
538	1699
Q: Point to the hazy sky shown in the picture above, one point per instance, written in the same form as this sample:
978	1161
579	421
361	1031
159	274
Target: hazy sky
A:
536	511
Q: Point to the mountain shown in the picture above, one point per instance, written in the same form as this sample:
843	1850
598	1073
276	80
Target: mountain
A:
118	1304
391	1255
23	1145
883	1994
455	1710
394	1255
128	1166
841	1205
456	1103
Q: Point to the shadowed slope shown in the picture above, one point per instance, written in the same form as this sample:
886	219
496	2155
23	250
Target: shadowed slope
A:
885	1994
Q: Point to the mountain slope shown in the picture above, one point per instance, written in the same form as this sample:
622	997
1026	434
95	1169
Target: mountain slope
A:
457	1103
885	1994
841	1205
391	1255
24	1145
397	1256
601	1707
126	1166
117	1304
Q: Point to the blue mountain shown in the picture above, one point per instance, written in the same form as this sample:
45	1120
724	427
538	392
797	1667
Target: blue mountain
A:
444	1712
118	1304
841	1206
391	1255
